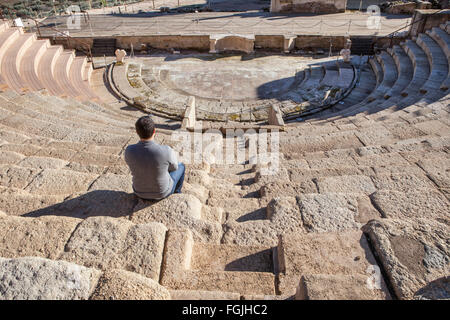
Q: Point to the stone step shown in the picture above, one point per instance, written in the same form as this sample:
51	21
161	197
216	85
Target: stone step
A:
76	74
46	70
32	102
405	247
443	39
239	209
62	68
7	39
235	269
30	63
390	73
10	64
34	278
347	253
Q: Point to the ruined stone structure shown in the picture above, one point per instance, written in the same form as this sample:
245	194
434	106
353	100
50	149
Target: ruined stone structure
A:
362	186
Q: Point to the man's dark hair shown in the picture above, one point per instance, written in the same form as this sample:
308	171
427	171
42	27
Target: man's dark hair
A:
145	127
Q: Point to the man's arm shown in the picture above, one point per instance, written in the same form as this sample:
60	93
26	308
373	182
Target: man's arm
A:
173	161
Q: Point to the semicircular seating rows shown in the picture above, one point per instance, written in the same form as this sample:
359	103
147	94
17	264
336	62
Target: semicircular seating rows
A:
354	192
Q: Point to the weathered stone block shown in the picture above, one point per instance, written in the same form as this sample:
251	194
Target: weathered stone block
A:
51	181
426	203
106	243
335	212
42	163
437	170
346	184
41	279
338	287
402	182
415	255
124	285
345	253
16	177
178	211
274	189
284	217
41	237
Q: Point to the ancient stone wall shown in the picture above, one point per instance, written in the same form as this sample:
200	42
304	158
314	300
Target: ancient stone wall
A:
308	6
269	42
261	42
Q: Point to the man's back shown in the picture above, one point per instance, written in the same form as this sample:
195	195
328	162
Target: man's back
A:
150	164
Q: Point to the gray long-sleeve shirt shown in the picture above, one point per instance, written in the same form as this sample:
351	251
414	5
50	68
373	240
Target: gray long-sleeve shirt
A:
150	164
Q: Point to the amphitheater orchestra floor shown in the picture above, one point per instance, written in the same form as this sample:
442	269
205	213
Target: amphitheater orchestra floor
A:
250	22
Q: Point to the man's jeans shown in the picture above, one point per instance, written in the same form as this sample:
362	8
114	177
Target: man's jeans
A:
178	178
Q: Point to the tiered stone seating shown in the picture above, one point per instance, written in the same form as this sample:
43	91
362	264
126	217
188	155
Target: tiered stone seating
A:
420	77
352	195
30	64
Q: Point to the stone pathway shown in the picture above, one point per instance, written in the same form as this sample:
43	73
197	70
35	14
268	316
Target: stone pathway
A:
252	22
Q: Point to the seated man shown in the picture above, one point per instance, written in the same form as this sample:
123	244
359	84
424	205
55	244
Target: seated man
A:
155	169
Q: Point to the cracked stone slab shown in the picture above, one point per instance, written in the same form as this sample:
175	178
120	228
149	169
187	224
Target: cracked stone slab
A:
34	278
425	203
105	243
414	254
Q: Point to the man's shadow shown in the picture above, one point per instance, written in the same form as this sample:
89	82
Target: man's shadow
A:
107	203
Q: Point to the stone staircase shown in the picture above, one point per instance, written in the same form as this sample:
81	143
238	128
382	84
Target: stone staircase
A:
362	190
